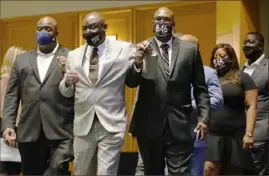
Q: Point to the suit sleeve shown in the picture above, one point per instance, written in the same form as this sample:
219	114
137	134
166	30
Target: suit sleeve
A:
70	90
215	92
12	98
3	85
200	91
134	75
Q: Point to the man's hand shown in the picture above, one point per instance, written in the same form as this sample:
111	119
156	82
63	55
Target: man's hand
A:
62	62
248	142
71	78
141	49
203	130
9	136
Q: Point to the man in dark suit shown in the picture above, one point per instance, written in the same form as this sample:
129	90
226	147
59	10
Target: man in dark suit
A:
45	130
164	75
257	68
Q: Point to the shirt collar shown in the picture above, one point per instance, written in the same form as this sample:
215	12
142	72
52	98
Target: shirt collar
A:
101	47
53	52
159	43
256	62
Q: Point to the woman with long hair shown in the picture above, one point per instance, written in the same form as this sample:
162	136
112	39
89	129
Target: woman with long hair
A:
231	128
6	167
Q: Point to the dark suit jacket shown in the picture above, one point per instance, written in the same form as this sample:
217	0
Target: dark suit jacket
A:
42	103
160	99
260	77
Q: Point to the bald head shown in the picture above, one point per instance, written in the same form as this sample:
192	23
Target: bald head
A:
163	24
94	29
93	18
164	12
46	33
178	35
189	38
47	21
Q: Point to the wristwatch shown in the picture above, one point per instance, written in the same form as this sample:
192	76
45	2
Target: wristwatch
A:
248	134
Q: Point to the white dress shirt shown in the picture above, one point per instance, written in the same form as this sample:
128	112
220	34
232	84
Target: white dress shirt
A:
249	69
169	43
102	53
43	61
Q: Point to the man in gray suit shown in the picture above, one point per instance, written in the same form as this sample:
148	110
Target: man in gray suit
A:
45	129
96	74
257	68
161	116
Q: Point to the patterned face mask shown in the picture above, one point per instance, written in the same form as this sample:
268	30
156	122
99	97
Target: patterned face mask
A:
163	29
221	63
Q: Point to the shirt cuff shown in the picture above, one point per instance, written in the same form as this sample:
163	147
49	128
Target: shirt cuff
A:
138	70
65	86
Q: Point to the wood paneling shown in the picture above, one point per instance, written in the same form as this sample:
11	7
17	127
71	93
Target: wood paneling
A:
194	18
1	42
21	31
242	19
249	21
228	31
68	29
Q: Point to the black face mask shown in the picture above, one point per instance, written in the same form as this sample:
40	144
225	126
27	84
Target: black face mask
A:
221	64
163	29
251	52
94	38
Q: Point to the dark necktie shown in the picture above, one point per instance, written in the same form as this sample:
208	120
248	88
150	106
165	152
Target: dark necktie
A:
165	57
94	66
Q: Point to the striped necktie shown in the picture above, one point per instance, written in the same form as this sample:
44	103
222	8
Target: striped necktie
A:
165	57
94	66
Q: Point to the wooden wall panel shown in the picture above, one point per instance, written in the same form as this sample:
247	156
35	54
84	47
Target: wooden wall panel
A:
194	18
68	29
249	21
21	31
120	24
1	42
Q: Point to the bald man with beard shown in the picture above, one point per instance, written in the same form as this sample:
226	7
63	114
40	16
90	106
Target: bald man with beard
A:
160	120
216	100
45	130
96	75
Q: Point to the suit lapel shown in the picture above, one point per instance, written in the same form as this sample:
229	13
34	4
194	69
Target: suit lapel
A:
33	61
156	49
259	68
82	54
112	53
175	48
242	67
81	61
53	64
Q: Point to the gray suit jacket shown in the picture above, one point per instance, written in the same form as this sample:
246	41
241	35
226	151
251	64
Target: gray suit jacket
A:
161	101
260	77
42	102
107	97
